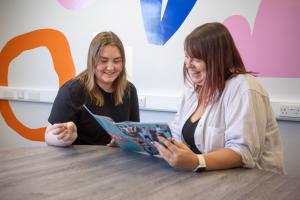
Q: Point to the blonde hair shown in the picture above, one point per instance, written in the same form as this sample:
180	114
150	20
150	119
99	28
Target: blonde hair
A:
87	77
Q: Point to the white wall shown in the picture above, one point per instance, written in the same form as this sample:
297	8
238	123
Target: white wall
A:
155	70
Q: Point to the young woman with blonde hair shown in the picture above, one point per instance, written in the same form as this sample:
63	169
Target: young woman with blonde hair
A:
103	87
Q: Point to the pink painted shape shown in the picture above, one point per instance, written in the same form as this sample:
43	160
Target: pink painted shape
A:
75	4
273	49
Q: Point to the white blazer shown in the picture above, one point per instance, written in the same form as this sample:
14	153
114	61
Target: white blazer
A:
242	120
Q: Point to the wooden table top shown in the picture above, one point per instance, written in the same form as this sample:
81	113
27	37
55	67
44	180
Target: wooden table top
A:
99	172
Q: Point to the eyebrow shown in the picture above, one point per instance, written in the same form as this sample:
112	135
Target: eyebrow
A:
103	57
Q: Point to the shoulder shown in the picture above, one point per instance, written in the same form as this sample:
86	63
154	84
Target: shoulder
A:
245	83
189	93
73	83
131	85
131	88
73	87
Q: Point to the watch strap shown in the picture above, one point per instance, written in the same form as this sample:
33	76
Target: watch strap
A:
201	163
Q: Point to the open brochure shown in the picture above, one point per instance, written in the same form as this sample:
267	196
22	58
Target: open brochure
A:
134	136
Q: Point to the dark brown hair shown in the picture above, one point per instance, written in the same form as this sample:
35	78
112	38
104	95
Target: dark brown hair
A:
213	43
87	77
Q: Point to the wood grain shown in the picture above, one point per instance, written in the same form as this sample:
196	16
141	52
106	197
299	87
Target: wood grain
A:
99	172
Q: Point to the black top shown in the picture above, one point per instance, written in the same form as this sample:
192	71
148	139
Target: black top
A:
68	104
188	132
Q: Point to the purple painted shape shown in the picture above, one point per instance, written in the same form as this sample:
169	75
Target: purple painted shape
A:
74	4
273	49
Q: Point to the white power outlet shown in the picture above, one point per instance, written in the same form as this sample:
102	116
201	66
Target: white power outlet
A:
34	96
290	110
142	101
8	95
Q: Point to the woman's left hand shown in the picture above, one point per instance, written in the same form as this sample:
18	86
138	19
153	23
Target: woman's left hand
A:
177	154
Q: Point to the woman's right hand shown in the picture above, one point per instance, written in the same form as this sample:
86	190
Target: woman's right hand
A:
65	133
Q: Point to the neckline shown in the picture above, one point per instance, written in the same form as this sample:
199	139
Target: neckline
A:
102	90
195	122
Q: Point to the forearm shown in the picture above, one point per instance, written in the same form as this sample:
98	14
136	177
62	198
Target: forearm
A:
222	159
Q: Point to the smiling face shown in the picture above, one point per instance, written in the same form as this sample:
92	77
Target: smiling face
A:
196	69
109	67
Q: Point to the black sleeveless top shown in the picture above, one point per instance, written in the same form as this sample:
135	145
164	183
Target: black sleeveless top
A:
188	132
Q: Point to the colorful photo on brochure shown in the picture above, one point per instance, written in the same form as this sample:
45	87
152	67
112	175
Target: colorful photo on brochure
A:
134	136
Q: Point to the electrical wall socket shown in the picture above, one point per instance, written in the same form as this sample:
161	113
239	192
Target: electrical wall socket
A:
142	102
8	95
34	96
290	110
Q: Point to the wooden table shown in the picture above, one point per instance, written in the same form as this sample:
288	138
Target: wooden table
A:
99	172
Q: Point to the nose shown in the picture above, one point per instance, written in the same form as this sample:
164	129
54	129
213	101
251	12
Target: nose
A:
110	66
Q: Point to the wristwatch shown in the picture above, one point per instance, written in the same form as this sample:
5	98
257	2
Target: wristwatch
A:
201	163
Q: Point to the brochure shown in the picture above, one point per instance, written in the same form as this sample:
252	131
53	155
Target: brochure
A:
134	136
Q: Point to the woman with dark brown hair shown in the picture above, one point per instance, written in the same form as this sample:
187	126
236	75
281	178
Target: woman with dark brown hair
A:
103	87
225	119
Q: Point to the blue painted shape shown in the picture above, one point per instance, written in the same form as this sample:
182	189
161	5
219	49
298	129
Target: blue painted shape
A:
160	30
